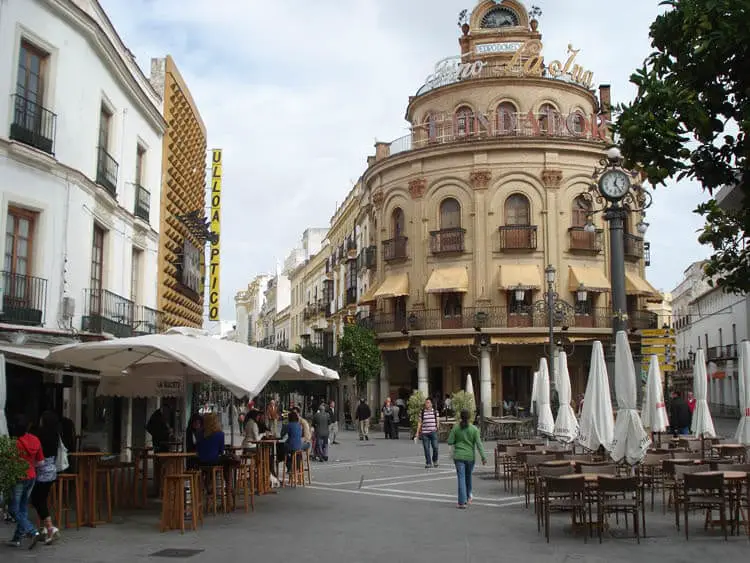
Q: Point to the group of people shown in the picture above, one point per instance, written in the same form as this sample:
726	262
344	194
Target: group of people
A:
39	448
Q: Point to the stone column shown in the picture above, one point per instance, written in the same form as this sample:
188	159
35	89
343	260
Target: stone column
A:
485	381
423	382
480	180
384	384
128	428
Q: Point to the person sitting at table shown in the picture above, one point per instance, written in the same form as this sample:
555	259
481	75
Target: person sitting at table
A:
252	433
192	437
292	431
210	449
306	431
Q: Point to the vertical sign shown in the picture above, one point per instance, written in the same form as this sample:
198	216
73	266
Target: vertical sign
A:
214	261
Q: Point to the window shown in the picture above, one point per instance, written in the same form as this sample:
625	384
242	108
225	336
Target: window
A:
452	310
464	121
135	275
450	214
397	221
105	123
140	156
506	118
578	122
32	67
517	210
97	268
19	234
549	119
581	211
519	307
433	127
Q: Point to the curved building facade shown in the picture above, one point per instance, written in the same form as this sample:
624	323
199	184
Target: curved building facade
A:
470	208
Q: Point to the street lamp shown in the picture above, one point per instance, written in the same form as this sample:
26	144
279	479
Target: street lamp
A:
549	276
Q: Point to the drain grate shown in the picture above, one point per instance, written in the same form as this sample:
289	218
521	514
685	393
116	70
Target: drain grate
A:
177	553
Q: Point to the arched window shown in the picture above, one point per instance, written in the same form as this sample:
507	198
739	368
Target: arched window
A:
507	122
578	122
549	119
397	223
580	212
433	130
464	121
517	210
450	214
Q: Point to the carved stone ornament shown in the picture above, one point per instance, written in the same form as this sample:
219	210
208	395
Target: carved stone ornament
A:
377	198
480	179
552	178
417	187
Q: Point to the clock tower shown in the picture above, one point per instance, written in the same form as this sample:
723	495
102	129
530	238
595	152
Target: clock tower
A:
495	30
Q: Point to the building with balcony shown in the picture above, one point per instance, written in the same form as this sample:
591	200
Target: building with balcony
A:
473	204
181	271
248	304
706	317
310	304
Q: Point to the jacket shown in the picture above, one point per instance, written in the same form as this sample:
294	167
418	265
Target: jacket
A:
306	432
30	450
321	420
465	441
363	411
293	431
679	415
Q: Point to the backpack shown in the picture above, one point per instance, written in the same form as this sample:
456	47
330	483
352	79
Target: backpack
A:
434	415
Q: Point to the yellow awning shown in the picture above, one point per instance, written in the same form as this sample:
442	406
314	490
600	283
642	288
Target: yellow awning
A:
395	285
519	340
448	342
527	276
636	285
593	279
448	280
393	346
369	296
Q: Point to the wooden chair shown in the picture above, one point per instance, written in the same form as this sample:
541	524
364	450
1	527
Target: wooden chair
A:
679	479
652	474
620	495
564	493
544	472
705	491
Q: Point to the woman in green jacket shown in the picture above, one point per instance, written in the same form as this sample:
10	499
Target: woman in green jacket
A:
465	439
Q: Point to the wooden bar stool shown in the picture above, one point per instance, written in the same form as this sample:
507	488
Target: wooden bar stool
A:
176	490
297	474
196	494
61	496
215	478
245	483
307	466
104	479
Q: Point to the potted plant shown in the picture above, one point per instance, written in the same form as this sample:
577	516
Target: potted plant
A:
463	22
535	13
12	467
461	400
414	407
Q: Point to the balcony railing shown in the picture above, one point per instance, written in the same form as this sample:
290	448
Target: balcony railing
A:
142	203
367	258
447	240
33	124
148	321
267	342
106	171
643	320
351	296
24	299
728	352
107	312
633	247
582	241
518	237
646	253
394	249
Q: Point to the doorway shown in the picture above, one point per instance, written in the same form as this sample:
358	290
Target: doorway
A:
517	381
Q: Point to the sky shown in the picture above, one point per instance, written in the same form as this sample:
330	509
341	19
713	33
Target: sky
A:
296	94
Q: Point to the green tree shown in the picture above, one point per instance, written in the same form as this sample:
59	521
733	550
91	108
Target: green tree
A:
691	116
12	467
360	355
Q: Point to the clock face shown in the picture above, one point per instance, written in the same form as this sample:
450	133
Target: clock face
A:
500	17
614	184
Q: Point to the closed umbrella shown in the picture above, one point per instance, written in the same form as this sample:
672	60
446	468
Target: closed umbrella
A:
631	440
566	425
545	424
534	392
703	424
597	424
3	394
470	389
654	412
742	436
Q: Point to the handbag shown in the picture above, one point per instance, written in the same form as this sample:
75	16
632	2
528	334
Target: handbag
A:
61	460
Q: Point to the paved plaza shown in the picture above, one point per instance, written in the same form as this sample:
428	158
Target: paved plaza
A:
375	502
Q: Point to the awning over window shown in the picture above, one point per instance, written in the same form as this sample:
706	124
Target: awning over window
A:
593	279
522	340
395	285
448	280
448	342
527	276
636	285
393	346
369	296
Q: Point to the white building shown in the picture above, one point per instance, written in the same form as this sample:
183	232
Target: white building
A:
708	318
248	304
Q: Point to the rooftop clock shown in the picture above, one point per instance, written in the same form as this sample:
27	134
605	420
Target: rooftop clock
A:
500	16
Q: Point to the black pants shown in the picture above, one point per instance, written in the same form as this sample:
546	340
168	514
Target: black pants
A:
39	495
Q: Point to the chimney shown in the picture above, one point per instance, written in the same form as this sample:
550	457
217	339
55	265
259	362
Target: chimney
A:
382	150
605	102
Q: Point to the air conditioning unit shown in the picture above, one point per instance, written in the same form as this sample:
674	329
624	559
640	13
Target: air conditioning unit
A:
68	307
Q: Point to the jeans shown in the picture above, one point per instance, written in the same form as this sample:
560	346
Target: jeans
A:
463	473
322	447
306	446
684	431
19	508
428	440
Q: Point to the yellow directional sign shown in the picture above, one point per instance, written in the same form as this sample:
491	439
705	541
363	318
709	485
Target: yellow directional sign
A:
648	350
662	366
658	333
658	342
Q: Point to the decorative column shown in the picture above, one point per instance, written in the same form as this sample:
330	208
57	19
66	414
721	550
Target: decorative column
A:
128	427
385	390
485	381
480	180
418	242
423	382
552	180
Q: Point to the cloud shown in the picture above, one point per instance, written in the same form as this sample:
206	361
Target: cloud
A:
296	93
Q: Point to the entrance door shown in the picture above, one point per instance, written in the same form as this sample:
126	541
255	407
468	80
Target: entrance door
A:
517	381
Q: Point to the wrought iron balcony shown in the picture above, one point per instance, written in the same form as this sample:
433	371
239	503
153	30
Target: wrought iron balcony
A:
24	299
643	320
33	124
148	321
394	249
367	258
107	312
583	241
646	253
518	237
142	203
727	352
106	171
633	247
447	240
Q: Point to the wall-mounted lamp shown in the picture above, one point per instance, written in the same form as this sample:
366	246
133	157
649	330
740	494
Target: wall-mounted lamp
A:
582	294
519	292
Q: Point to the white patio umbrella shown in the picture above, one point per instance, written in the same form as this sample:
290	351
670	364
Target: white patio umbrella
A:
566	424
534	392
545	423
3	394
631	440
742	436
597	424
703	424
654	412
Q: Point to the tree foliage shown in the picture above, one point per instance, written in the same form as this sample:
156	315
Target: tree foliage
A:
12	466
691	116
414	407
360	356
461	400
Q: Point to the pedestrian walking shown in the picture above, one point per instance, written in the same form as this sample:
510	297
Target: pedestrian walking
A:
396	420
30	451
679	415
363	415
48	433
427	431
465	439
321	424
387	414
333	428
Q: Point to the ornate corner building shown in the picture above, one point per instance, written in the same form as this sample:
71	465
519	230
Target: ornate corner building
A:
181	270
471	206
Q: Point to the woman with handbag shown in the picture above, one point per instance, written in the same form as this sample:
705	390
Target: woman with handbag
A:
48	433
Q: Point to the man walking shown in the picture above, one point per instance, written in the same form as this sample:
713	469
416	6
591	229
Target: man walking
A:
679	417
333	428
427	430
363	415
321	424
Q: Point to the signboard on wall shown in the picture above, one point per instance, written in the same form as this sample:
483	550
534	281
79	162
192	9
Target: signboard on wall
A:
215	254
190	275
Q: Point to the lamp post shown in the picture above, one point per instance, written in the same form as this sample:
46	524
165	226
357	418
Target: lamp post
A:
549	277
618	193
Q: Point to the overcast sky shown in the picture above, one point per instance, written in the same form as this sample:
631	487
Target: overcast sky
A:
296	93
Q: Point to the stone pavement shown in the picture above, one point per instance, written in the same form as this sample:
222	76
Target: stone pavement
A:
374	501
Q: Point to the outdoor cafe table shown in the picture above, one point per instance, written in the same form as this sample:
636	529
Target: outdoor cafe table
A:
731	451
88	463
266	450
